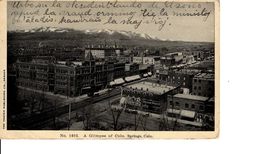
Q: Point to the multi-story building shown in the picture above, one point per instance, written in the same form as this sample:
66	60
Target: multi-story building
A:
204	65
188	59
179	77
186	107
36	75
152	60
103	53
79	54
203	85
146	68
197	54
119	70
71	78
171	59
187	102
131	69
138	60
147	96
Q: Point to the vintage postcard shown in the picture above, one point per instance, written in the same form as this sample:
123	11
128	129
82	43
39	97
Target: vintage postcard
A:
110	69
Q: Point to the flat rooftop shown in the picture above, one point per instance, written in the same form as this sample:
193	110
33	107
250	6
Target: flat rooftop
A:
77	63
187	71
192	97
155	88
174	53
205	75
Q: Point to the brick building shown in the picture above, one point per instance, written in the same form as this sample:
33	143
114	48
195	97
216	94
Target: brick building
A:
187	107
171	59
147	96
187	102
131	69
203	85
179	77
71	78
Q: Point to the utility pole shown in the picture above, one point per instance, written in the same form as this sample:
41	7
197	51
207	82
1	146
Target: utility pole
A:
121	93
68	81
69	115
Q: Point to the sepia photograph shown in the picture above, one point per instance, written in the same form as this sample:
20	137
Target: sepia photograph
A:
111	66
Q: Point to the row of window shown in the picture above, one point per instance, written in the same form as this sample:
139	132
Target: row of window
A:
195	87
63	83
188	106
61	77
173	77
199	94
62	71
199	81
41	76
33	85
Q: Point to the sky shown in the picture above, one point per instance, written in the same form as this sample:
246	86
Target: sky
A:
181	28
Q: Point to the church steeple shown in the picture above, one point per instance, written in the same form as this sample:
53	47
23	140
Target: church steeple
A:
88	55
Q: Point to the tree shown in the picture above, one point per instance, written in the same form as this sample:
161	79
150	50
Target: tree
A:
42	101
54	115
88	113
144	121
116	112
164	123
32	102
137	120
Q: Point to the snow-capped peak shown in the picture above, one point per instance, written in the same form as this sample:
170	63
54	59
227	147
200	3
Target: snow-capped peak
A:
128	34
46	29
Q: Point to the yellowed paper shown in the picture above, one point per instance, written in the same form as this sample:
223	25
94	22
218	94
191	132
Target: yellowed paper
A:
109	69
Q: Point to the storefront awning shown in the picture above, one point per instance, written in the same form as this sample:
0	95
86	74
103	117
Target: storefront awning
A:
132	78
186	113
85	88
119	81
174	111
112	83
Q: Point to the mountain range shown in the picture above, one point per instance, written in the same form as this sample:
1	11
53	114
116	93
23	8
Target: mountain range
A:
108	32
70	38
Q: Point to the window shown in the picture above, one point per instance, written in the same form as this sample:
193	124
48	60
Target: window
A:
199	81
192	106
195	87
186	105
171	104
199	88
201	107
177	104
183	83
184	78
195	80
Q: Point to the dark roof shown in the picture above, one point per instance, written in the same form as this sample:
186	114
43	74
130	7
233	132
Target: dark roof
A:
89	56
